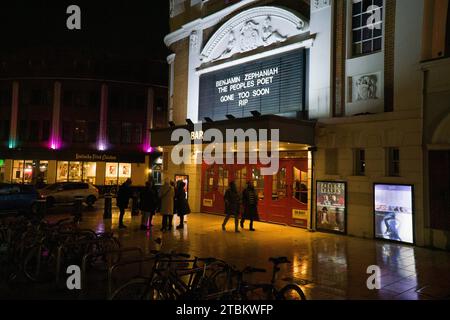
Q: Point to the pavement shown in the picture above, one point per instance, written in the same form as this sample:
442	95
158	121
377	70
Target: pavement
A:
327	266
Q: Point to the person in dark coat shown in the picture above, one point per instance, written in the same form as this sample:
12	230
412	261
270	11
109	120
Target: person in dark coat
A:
232	203
123	198
250	202
181	203
148	202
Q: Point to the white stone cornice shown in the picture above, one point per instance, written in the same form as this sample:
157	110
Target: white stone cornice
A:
204	23
170	58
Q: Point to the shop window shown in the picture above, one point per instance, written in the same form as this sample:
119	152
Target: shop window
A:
300	186
2	170
124	172
360	162
367	26
62	171
22	171
279	186
209	180
223	180
43	172
156	174
331	161
75	171
258	182
393	162
89	172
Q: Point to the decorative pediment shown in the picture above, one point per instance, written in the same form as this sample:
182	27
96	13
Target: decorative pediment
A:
251	29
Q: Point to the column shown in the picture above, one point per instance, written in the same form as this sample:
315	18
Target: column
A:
321	57
195	41
14	114
149	119
55	139
171	62
102	133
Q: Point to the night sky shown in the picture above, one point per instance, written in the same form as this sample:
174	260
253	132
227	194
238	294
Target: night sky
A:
119	26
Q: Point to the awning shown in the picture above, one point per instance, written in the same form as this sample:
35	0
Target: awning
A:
290	130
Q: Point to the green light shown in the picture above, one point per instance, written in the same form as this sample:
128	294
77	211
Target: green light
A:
2	162
12	144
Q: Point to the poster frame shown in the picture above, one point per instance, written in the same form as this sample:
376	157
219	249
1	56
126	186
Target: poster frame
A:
413	204
345	210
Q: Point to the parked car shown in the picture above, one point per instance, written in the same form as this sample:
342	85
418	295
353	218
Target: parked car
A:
65	193
18	198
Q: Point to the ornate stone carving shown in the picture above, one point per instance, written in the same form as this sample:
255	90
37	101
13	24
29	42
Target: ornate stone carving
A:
319	4
365	87
194	39
256	27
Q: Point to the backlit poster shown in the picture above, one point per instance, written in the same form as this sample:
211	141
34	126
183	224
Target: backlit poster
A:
185	179
331	206
394	212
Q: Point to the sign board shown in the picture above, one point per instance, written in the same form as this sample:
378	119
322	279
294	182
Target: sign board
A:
331	202
272	85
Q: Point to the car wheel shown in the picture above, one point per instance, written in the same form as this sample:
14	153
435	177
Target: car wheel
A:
50	202
90	201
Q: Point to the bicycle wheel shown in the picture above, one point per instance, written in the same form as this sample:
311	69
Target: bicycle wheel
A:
39	264
291	292
137	289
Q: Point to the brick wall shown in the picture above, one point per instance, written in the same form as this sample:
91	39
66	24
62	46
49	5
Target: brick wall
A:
389	50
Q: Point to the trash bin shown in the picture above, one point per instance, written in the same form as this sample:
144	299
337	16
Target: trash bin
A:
78	208
107	212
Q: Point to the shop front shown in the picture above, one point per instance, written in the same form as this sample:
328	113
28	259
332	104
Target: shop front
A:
100	169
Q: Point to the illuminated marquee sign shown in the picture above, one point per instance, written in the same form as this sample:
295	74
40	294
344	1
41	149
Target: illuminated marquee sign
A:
272	85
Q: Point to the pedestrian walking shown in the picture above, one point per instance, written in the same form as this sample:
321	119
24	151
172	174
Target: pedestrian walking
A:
123	198
250	202
181	203
147	204
232	204
166	195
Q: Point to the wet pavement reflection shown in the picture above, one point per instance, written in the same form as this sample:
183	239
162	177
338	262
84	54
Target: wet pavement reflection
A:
326	266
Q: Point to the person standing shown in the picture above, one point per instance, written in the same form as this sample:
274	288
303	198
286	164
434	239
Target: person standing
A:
232	203
181	203
250	202
166	194
123	198
147	204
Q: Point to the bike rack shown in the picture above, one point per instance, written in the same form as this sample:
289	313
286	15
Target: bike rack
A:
86	257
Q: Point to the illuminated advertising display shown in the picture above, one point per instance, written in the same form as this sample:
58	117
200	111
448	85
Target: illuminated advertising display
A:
331	206
394	212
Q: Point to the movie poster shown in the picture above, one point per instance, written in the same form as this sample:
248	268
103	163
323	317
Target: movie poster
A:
394	212
331	206
185	179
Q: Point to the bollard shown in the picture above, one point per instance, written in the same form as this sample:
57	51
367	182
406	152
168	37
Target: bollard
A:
41	208
107	212
135	205
78	208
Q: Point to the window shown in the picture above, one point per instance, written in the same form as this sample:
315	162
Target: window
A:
279	185
92	131
23	130
137	133
300	186
45	130
223	180
89	172
258	182
331	161
209	179
4	130
360	162
79	131
23	171
367	26
114	132
66	131
34	131
393	162
126	133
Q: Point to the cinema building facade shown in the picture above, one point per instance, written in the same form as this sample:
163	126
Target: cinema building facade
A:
343	83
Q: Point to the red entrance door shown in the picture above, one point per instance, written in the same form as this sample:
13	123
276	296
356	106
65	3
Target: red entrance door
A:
283	198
